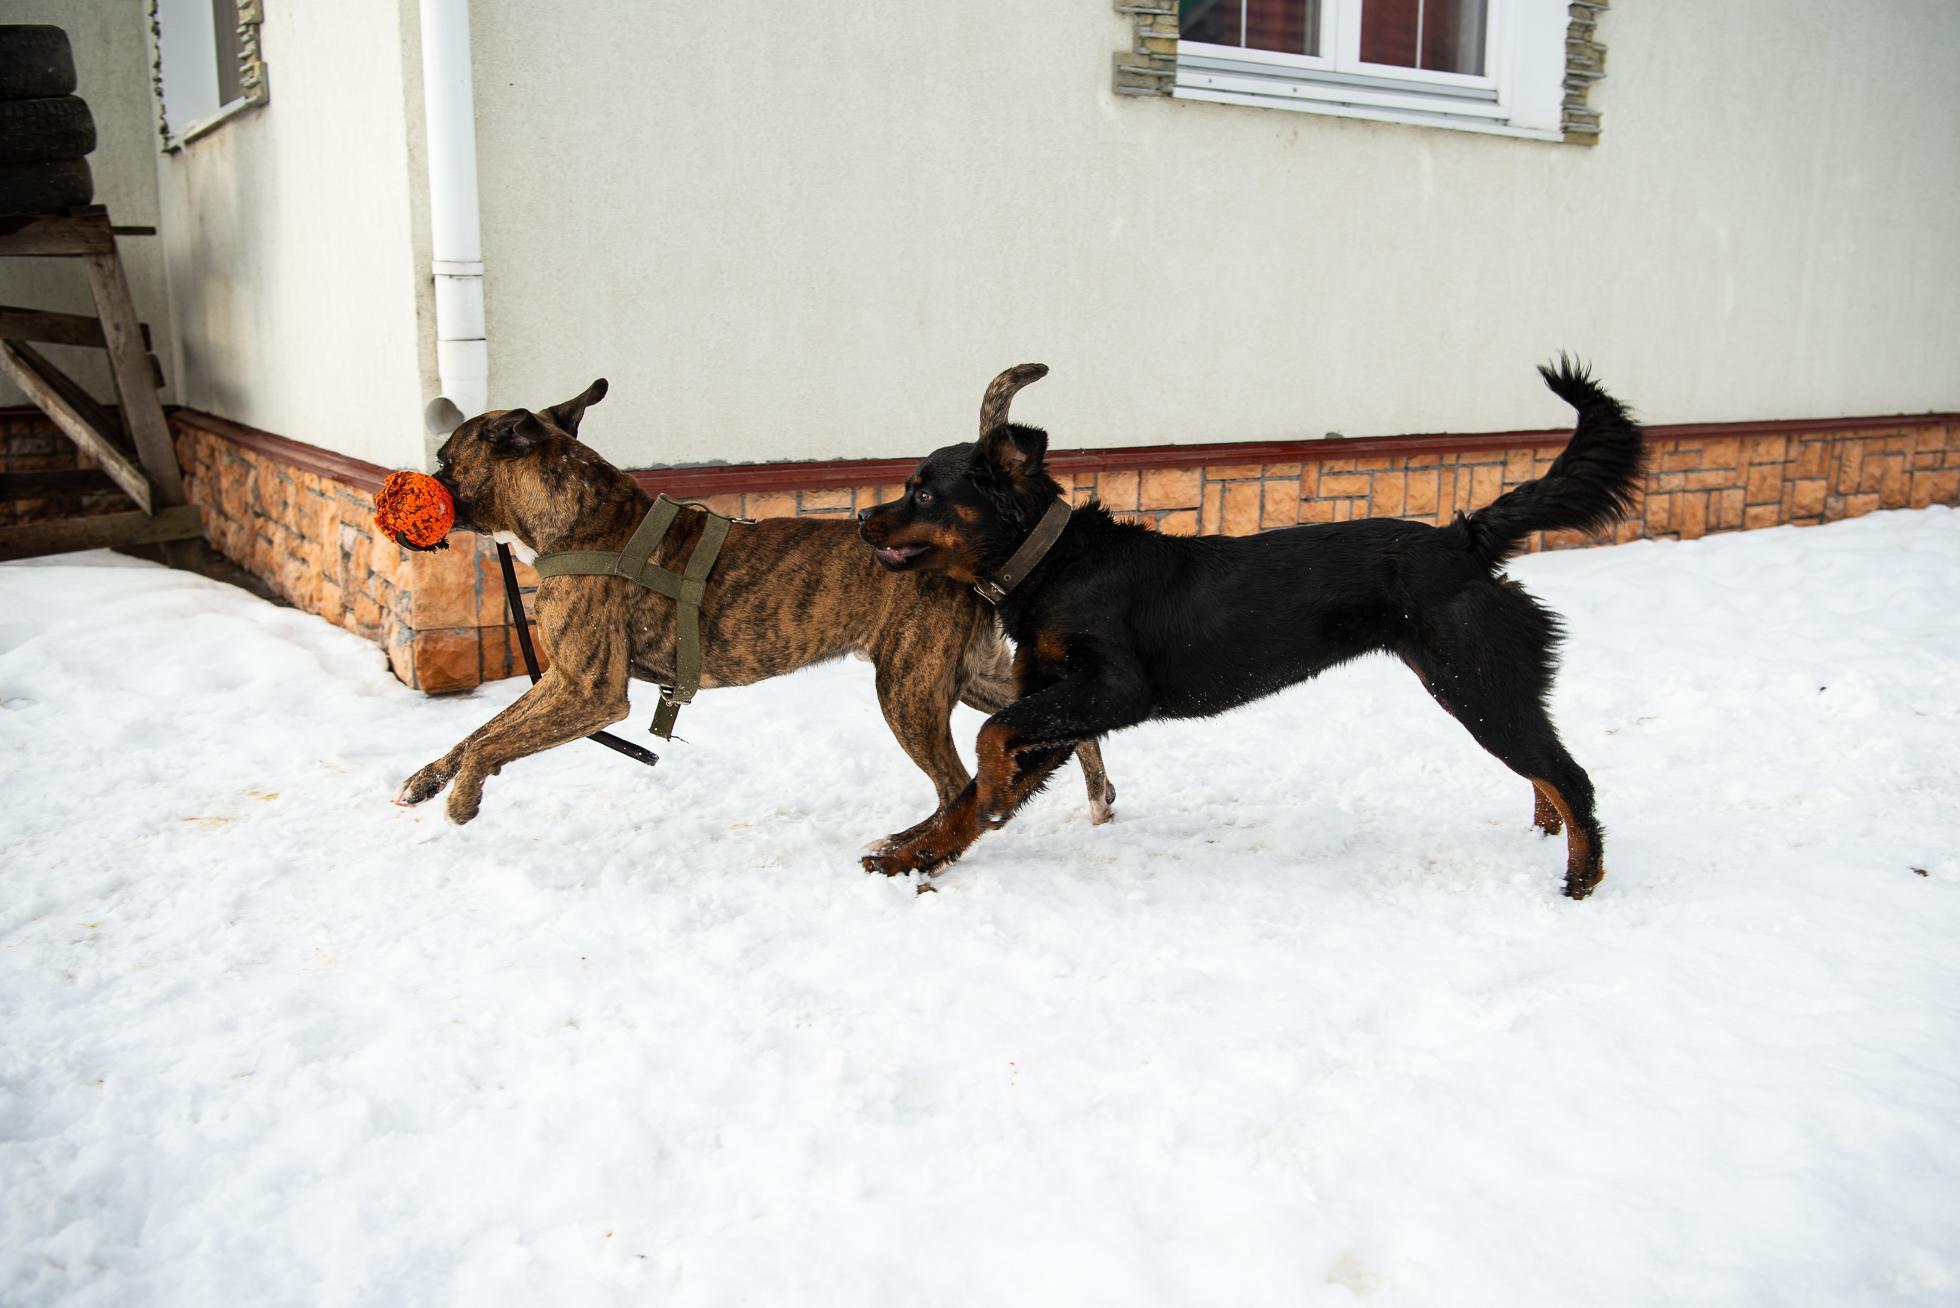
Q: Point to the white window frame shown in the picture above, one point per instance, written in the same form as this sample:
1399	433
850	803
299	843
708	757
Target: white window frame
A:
1519	93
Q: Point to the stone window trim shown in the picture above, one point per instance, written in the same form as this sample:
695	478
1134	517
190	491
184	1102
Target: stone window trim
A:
253	90
1149	66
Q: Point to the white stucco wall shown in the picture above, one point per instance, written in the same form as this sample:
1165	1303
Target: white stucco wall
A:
795	232
112	70
290	233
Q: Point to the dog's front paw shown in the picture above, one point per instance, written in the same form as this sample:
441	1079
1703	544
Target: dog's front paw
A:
426	784
905	859
1102	810
884	864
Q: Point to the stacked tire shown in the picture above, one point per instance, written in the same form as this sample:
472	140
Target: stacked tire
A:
46	131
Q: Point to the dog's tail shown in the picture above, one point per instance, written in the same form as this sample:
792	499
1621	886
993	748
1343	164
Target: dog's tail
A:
1589	486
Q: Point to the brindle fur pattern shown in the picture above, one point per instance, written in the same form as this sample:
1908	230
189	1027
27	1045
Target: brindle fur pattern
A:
785	593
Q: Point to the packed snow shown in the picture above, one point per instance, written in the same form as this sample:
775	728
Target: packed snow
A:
1308	1024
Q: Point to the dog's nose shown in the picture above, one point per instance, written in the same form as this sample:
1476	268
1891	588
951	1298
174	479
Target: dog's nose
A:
864	515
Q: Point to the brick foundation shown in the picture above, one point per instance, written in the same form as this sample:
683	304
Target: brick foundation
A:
30	442
299	517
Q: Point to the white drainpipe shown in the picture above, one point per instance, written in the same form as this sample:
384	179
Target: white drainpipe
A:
462	353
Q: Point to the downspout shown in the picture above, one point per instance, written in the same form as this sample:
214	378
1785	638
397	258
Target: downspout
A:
456	238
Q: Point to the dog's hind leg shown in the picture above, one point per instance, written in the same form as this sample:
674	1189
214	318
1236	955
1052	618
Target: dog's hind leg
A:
1521	736
1102	791
1491	669
1544	813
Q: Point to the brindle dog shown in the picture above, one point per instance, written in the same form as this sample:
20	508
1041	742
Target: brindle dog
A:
785	593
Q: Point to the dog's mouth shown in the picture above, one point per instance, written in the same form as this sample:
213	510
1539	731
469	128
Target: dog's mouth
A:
897	556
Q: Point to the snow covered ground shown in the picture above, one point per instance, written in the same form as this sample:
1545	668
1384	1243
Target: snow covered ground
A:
1309	1024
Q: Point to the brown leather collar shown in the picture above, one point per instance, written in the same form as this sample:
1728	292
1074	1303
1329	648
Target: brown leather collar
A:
1046	532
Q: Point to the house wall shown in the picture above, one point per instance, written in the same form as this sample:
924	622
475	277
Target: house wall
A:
788	235
289	234
112	71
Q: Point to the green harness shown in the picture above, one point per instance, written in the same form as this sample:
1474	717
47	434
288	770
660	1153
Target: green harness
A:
635	563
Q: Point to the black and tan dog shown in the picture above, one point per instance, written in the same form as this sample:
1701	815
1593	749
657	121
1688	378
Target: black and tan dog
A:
1117	624
785	593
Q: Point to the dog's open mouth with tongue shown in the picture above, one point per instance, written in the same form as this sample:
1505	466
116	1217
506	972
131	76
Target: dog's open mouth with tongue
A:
897	556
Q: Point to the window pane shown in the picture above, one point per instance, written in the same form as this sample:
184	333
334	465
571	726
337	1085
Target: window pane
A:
1453	36
224	22
1446	36
1291	26
1288	25
1216	21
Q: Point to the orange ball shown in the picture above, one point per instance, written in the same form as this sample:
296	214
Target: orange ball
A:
414	510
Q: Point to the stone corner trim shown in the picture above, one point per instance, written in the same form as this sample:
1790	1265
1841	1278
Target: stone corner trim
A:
1585	63
1149	66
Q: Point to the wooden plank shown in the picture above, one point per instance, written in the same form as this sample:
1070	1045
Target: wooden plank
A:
86	232
136	383
78	399
101	531
21	364
33	484
49	327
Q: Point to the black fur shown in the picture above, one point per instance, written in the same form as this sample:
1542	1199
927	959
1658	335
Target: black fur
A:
1119	624
1588	487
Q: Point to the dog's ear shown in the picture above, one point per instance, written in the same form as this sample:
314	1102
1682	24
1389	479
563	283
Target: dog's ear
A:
514	432
1016	452
566	416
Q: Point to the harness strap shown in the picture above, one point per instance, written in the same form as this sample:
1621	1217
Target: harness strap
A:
634	561
687	631
515	599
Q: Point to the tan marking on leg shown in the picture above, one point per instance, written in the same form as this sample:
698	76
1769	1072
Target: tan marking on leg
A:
1582	874
1544	813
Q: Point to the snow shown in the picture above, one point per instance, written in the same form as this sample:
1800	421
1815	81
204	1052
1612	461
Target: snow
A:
1308	1024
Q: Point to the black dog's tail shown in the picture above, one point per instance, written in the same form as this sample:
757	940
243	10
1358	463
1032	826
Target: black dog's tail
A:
1589	486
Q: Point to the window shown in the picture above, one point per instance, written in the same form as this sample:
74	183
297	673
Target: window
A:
1486	65
208	66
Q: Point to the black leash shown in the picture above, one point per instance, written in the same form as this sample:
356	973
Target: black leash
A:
515	599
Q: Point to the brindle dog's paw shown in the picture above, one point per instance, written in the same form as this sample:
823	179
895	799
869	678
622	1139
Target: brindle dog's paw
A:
424	785
464	803
1100	811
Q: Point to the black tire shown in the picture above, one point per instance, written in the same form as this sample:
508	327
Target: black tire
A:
43	131
45	187
35	61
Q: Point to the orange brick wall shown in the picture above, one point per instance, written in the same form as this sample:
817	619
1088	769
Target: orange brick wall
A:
1694	487
440	617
